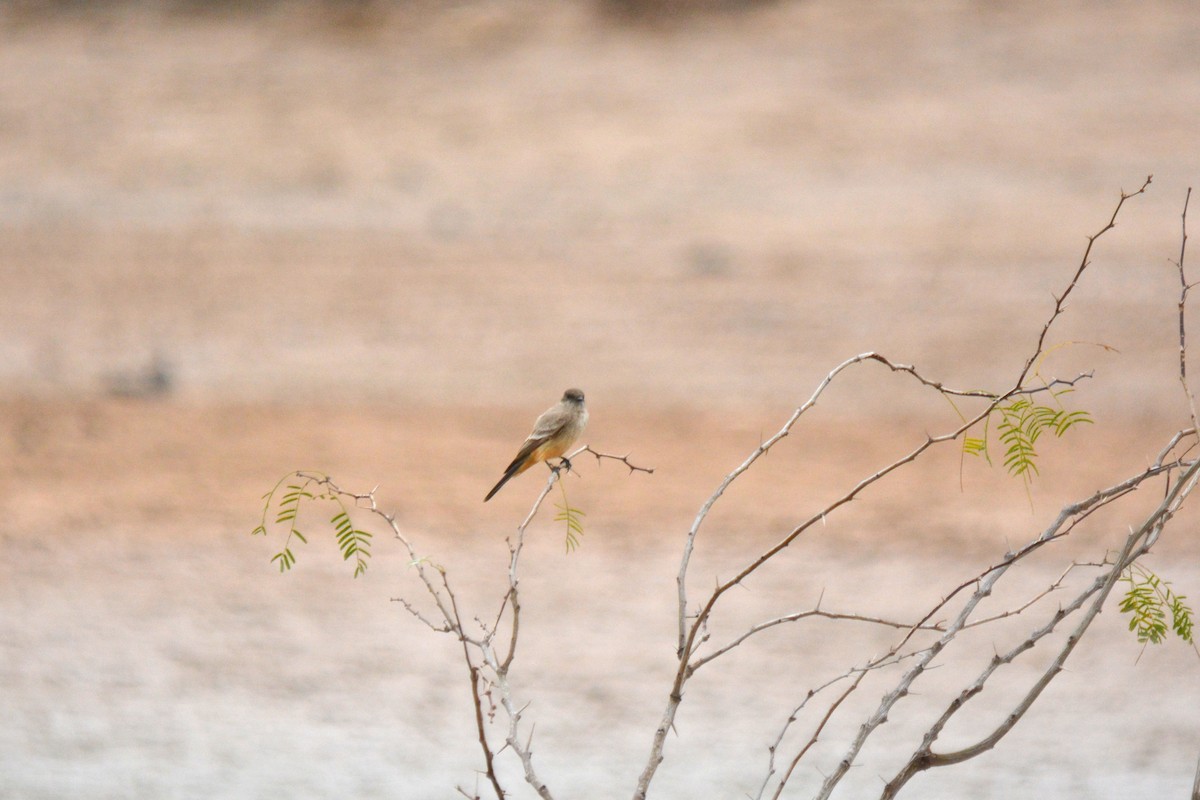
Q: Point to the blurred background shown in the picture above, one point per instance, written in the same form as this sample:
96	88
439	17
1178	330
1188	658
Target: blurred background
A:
378	238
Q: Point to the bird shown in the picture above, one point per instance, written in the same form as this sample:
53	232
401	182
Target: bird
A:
555	430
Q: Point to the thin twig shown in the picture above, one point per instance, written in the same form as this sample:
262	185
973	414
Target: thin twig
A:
1084	263
700	661
445	627
833	707
480	728
1012	612
623	459
887	659
1196	782
523	750
555	476
1184	287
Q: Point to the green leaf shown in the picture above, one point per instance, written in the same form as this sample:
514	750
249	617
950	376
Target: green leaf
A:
572	518
1022	423
1148	600
352	543
974	446
285	560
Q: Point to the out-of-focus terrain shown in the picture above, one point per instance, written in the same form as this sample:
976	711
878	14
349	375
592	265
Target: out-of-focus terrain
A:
377	239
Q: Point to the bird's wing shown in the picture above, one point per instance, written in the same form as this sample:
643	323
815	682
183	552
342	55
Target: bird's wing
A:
547	425
550	423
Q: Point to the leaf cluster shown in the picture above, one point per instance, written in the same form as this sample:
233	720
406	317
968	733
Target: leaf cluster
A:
351	541
573	519
1021	423
1149	600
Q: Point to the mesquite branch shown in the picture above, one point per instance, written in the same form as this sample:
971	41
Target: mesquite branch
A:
489	649
485	662
1184	288
692	624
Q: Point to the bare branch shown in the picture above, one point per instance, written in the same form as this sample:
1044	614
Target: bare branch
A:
942	389
445	627
1053	587
880	715
368	502
773	749
1062	526
1136	544
447	605
689	543
514	597
984	583
623	459
698	662
523	750
481	729
833	707
1184	287
688	635
1052	384
554	476
1175	440
1084	263
888	659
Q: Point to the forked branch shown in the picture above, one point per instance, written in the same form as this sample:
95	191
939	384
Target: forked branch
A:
691	626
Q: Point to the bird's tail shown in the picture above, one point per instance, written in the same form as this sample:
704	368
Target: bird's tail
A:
519	464
511	473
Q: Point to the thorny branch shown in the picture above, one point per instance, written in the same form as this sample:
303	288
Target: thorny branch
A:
439	590
1184	288
1061	300
799	615
473	672
774	748
1137	544
565	465
623	459
691	626
437	585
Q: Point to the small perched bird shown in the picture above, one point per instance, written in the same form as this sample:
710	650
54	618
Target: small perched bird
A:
555	431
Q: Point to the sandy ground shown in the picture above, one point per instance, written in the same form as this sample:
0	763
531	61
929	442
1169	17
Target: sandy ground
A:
377	240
